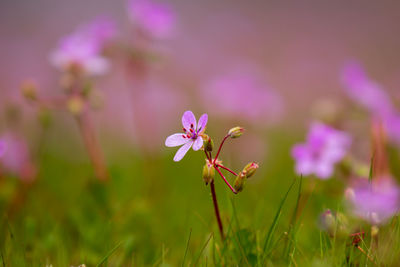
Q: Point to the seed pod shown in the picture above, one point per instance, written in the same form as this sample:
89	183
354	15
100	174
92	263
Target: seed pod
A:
240	182
208	143
208	172
236	132
250	169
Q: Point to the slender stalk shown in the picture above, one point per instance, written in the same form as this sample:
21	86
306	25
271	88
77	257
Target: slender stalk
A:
220	147
226	168
226	181
92	146
216	209
208	157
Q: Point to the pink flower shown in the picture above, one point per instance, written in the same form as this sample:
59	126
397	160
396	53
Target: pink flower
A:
324	147
154	19
365	91
375	201
83	48
242	93
191	136
15	158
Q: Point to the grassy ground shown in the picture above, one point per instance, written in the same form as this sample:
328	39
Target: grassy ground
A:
154	212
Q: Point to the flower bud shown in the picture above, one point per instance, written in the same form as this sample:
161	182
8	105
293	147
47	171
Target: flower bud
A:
75	105
250	169
334	223
29	90
236	132
208	172
240	182
208	143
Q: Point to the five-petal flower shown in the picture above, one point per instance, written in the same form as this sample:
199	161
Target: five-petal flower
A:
191	136
324	147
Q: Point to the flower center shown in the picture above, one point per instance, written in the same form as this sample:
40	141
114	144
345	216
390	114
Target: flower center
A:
191	133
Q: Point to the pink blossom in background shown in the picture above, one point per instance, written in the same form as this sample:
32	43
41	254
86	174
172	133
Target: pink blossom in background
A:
83	48
241	93
375	201
361	89
393	127
156	20
15	158
3	147
191	136
370	95
324	147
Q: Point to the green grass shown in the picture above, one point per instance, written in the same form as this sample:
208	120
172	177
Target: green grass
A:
154	212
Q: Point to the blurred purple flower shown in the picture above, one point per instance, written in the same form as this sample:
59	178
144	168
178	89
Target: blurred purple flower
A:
375	202
83	48
392	123
192	135
3	147
324	147
15	156
154	19
241	93
365	91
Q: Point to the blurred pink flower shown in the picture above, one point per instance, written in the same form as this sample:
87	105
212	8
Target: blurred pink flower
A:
370	95
191	135
154	19
15	156
241	93
393	127
375	201
324	148
83	48
366	92
3	147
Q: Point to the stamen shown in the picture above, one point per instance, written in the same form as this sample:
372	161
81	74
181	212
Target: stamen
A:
188	135
191	130
184	136
191	125
184	129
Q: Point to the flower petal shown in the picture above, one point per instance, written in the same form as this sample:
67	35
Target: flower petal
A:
182	151
188	119
202	123
176	140
198	143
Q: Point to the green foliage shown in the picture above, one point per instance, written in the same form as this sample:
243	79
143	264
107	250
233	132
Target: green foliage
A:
154	212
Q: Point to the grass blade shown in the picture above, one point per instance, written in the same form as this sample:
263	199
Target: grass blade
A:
276	219
109	254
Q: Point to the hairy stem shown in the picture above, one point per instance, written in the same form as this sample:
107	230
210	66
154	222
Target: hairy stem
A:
226	168
216	209
226	181
220	147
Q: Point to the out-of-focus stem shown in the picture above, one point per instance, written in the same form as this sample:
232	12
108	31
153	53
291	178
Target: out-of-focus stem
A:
92	146
226	181
220	147
216	209
226	168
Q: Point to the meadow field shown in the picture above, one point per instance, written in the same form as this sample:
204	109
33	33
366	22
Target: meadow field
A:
212	133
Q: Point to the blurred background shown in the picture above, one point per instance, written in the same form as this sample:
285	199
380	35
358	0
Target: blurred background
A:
271	67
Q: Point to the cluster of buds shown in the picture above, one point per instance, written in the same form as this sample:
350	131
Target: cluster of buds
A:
213	165
241	178
194	136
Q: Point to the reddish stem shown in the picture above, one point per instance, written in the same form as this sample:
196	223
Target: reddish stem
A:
226	168
92	146
227	183
220	147
214	198
208	157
